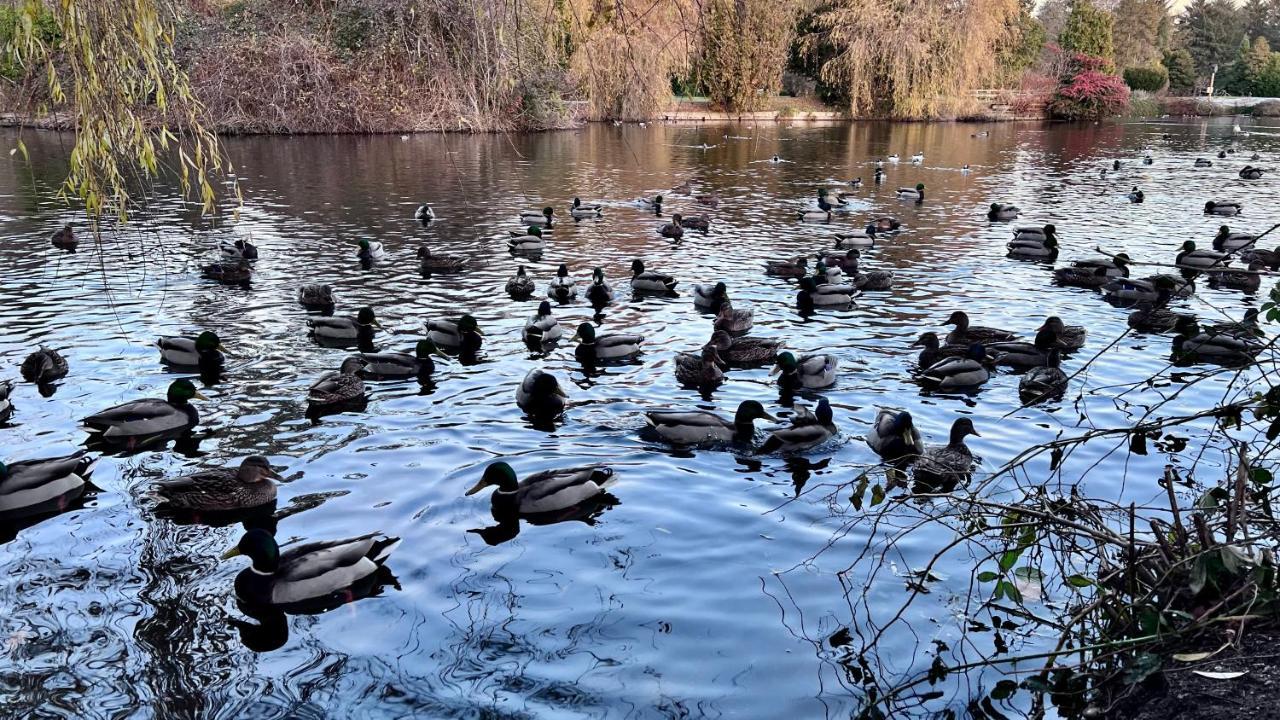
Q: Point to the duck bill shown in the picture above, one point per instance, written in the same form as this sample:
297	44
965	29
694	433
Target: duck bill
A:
776	369
560	391
918	343
198	396
767	416
477	487
233	552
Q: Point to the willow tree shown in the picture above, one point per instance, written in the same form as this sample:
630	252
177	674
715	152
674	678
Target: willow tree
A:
744	50
106	69
912	58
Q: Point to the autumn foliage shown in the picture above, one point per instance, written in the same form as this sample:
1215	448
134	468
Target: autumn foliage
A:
1086	91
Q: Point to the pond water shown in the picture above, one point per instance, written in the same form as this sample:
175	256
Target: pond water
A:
669	602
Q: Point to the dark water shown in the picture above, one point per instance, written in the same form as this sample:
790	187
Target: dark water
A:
668	604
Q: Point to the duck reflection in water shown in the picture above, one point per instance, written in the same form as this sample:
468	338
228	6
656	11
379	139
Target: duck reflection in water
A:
543	498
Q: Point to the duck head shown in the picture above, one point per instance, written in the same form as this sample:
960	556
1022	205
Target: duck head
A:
637	267
927	340
562	271
597	276
547	212
256	469
902	426
1054	323
467	326
962	428
786	364
749	411
181	391
958	318
259	546
1209	206
208	342
676	219
352	365
534	230
586	334
499	475
365	318
424	349
544	309
546	385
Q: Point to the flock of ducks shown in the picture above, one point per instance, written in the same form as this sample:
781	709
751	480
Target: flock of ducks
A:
318	573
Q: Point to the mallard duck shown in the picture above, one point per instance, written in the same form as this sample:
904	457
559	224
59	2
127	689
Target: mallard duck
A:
709	298
238	250
520	286
1136	196
705	369
235	272
959	373
732	320
673	229
879	176
32	487
343	329
966	334
700	223
1001	211
1203	162
203	351
314	573
1070	337
562	288
370	251
424	212
787	268
316	297
45	365
1152	289
1228	348
1155	319
1045	380
856	182
699	427
529	241
543	327
934	351
534	218
6	405
64	238
1269	258
429	263
942	469
864	239
1086	274
1246	326
135	423
337	388
578	211
827	294
1025	354
541	493
1249	172
650	282
824	274
917	158
1042	248
810	372
655	204
821	214
540	395
893	158
886	224
847	261
462	335
610	347
916	193
598	292
808	430
1227	209
1246	281
873	280
1147	160
745	351
712	200
1222	154
1227	241
220	489
894	437
398	365
1038	234
964	169
1190	257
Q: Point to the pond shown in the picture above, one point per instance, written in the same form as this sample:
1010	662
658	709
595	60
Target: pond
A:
692	594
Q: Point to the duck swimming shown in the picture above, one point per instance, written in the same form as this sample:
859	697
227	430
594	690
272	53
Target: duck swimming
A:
865	239
916	193
345	329
699	427
539	219
540	395
958	373
966	334
787	268
528	242
1196	345
142	421
1248	282
1024	354
1001	211
33	487
43	366
1227	241
1190	257
808	430
705	369
732	320
544	492
316	297
399	365
1044	381
1149	318
934	351
239	250
1153	289
1202	162
593	349
1249	172
429	263
655	204
462	335
543	327
562	288
709	298
1224	208
578	211
338	388
236	272
520	286
424	212
943	469
701	223
220	489
745	351
825	295
1034	247
308	574
64	238
1070	337
650	282
1136	196
203	351
598	292
370	251
673	230
809	372
1093	273
1269	258
894	437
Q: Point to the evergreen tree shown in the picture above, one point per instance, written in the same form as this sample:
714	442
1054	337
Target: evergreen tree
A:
1182	70
1211	31
1088	30
1247	72
1262	19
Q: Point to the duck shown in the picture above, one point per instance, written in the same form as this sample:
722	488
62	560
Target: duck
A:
1227	209
821	214
826	294
598	292
203	351
700	223
370	251
1222	154
140	421
342	329
809	372
1154	288
1115	164
700	427
942	469
734	321
398	365
430	263
916	193
917	158
745	351
705	369
709	298
594	348
1147	160
1249	172
1190	257
1017	354
539	219
219	489
1227	241
562	287
6	405
684	188
1269	258
1246	326
43	366
1001	211
893	158
964	169
808	430
873	280
673	229
338	388
966	334
865	239
1203	162
885	223
712	200
235	272
424	212
544	492
540	395
1093	273
1036	234
959	373
520	286
32	487
316	297
856	182
646	281
543	327
1032	248
879	176
1136	196
1248	282
1150	318
1070	337
847	263
530	241
64	238
1046	380
655	204
578	211
832	199
894	437
308	574
787	268
1194	344
462	335
934	351
239	250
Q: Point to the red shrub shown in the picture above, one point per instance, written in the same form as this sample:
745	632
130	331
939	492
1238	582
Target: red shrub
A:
1087	91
